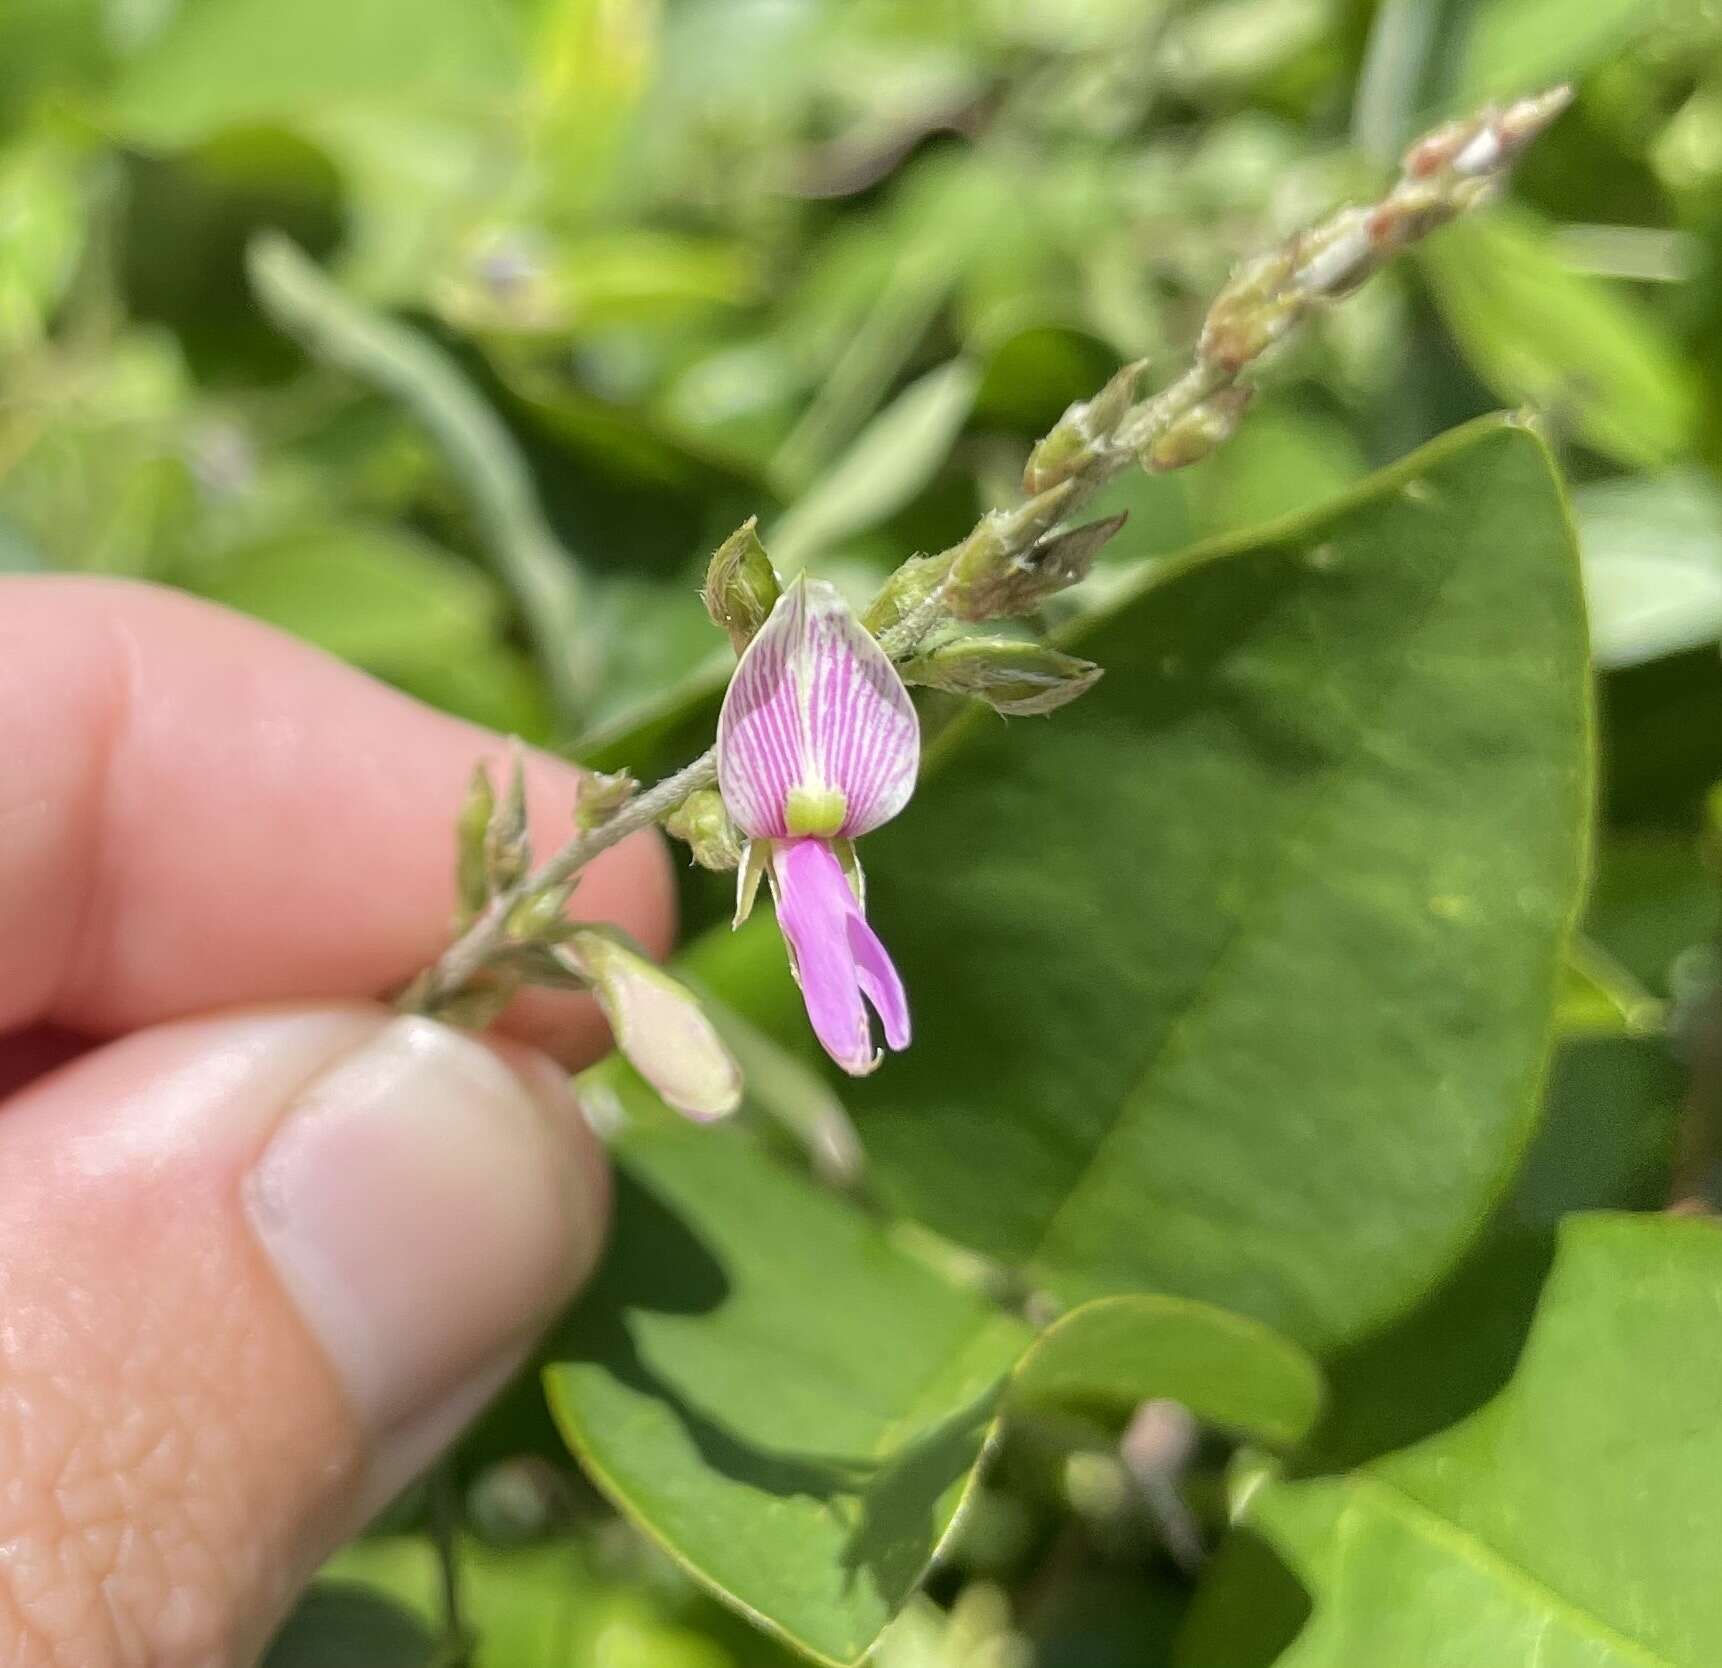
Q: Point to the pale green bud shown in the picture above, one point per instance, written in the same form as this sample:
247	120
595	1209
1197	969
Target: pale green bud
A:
1258	306
703	822
601	797
741	585
1198	433
1000	585
991	569
905	591
541	915
1013	677
507	851
478	1002
1074	441
472	868
659	1026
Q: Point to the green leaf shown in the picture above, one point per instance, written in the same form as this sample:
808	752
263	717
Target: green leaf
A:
1652	564
1512	47
1236	976
340	1624
1575	346
756	1377
1572	1522
1606	1142
380	598
794	1405
1115	1352
207	70
896	455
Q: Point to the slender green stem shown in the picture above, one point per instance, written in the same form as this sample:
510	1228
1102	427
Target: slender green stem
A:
454	1648
539	569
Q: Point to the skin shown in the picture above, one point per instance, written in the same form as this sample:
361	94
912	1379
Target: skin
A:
217	848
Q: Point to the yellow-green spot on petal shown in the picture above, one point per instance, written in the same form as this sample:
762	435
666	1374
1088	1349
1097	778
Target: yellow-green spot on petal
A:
815	811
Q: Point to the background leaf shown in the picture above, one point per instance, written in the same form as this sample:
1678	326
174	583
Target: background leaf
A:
1116	1351
1576	347
1568	1523
1652	564
890	461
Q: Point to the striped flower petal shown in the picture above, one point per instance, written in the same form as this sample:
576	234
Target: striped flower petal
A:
817	735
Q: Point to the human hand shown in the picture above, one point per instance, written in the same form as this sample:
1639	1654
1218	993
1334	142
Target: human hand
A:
264	1246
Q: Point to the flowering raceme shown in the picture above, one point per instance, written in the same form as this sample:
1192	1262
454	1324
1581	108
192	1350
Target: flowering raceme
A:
818	744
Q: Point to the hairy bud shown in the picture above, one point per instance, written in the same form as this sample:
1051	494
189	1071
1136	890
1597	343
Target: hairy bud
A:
741	585
1013	677
507	850
989	564
1202	430
472	867
703	822
1074	441
602	795
905	591
999	585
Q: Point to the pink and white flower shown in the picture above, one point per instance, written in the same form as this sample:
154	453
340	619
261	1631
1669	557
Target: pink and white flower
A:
818	744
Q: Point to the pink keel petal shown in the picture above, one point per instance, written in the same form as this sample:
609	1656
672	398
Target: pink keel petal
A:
880	983
837	956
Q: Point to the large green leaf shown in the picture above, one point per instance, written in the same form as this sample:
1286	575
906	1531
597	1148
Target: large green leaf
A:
794	1405
1580	348
1243	965
1571	1523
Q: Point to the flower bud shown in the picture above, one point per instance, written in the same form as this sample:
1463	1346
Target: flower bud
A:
542	915
1200	431
472	869
1013	677
1258	306
602	795
1338	255
507	850
1073	441
741	585
659	1026
704	824
990	569
905	591
999	585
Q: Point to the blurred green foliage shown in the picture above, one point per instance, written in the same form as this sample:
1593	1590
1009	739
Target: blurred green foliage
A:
838	262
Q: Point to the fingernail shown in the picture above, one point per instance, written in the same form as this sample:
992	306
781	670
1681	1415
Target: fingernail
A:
427	1203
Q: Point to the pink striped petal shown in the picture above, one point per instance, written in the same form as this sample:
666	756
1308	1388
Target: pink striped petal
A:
836	956
815	708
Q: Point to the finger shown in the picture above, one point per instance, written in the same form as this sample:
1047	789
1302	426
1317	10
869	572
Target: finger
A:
255	1271
197	810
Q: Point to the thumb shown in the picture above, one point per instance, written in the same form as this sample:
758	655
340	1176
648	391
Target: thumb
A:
254	1271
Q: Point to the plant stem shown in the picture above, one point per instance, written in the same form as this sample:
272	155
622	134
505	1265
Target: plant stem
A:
454	1649
541	572
470	952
